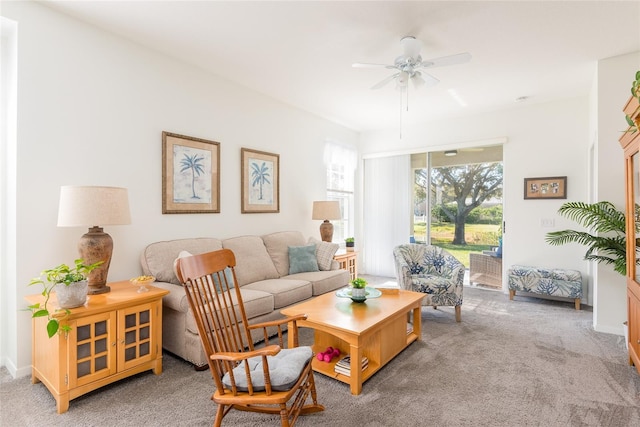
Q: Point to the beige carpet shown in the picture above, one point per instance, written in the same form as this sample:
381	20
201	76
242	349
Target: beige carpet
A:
527	362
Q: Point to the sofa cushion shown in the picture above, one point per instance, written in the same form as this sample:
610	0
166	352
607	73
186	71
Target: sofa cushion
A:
256	303
277	245
285	292
157	258
323	281
302	259
324	253
253	263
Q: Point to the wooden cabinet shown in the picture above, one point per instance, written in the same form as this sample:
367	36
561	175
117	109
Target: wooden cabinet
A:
630	142
113	336
348	260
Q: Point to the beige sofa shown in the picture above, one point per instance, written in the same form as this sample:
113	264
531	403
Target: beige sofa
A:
263	273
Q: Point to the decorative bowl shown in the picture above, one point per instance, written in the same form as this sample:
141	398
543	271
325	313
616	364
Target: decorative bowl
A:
368	293
142	281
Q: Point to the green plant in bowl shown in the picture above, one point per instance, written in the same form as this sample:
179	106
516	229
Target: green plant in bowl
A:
62	275
358	283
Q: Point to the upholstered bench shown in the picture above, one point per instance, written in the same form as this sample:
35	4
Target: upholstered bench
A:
546	281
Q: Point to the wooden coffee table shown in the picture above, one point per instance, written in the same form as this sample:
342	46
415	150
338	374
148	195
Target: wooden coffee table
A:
377	329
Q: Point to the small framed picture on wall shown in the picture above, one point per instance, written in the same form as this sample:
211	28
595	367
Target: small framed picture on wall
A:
190	175
260	181
554	187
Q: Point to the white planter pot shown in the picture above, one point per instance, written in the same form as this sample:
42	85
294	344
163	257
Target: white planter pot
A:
625	326
73	295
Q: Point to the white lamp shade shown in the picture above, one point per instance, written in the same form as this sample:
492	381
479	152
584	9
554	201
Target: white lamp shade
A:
93	206
326	210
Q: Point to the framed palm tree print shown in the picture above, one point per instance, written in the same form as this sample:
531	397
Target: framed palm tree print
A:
260	182
190	175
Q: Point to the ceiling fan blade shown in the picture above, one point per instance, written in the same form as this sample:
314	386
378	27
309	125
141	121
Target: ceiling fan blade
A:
385	81
443	61
361	65
429	80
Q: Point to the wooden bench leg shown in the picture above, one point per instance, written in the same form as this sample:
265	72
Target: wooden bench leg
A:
512	293
577	303
458	314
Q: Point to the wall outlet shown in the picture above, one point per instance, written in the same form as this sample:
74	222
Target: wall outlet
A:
547	222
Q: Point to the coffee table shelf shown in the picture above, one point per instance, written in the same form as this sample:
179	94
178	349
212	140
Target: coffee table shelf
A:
376	329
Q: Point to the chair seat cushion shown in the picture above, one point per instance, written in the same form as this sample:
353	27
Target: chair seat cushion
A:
284	370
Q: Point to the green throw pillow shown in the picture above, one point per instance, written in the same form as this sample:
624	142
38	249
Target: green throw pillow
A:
302	259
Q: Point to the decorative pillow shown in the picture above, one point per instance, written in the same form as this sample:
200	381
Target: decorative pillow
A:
227	272
302	259
324	253
229	275
182	254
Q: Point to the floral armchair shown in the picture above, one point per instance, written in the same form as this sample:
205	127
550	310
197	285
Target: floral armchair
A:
433	271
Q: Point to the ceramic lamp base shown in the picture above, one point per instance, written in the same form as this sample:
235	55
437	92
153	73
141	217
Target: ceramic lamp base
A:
326	231
94	246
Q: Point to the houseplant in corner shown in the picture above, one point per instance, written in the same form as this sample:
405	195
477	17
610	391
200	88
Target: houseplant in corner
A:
608	244
70	285
600	217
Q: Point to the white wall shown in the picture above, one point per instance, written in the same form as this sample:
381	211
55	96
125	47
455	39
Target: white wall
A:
548	139
614	82
91	109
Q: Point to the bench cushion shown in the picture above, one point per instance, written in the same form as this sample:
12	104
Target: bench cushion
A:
546	281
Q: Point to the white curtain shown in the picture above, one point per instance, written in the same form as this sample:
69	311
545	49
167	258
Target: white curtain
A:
387	211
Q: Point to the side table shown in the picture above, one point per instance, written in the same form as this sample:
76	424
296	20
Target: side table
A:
348	260
485	269
113	336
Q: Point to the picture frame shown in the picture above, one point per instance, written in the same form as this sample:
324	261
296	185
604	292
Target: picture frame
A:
553	187
190	175
260	181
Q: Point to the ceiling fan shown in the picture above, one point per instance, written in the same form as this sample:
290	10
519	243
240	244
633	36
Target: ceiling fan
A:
411	66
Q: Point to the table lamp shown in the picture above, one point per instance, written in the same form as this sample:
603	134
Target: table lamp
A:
89	206
326	210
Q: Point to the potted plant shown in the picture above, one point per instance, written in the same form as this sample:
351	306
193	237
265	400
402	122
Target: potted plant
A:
358	289
600	217
72	294
632	106
350	243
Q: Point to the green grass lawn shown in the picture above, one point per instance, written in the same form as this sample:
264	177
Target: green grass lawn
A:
479	237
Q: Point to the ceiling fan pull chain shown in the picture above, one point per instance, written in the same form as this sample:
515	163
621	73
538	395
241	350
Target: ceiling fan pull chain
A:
400	114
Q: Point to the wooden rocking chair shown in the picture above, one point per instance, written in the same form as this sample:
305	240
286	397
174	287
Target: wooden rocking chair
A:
258	380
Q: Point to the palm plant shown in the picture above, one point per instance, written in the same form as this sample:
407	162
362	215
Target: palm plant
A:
599	218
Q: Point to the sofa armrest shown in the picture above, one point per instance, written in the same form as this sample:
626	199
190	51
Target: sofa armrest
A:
176	298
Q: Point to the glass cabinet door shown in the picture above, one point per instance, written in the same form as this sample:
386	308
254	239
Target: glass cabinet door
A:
635	184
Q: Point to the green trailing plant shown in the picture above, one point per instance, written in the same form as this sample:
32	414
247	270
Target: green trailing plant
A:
49	279
358	283
635	86
635	92
608	243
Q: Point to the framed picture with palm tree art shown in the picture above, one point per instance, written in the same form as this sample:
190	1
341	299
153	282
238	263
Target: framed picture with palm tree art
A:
190	174
260	182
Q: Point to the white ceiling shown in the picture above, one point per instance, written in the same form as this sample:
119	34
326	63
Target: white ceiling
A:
301	52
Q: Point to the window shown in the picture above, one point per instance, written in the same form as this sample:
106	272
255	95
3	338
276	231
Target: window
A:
340	161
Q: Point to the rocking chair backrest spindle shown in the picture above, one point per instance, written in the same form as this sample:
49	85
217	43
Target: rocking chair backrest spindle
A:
217	304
